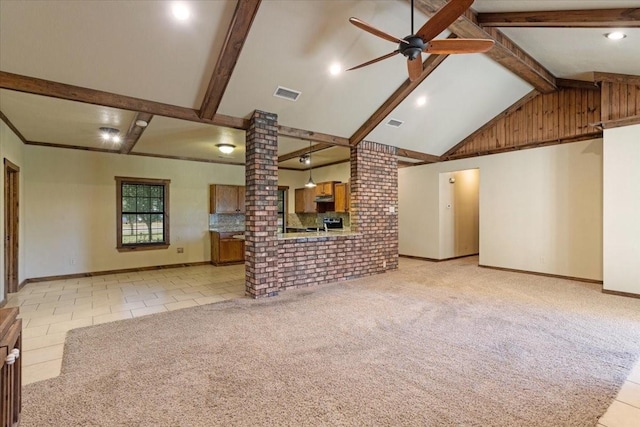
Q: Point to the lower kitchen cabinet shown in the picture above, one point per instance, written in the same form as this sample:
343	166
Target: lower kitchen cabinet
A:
225	249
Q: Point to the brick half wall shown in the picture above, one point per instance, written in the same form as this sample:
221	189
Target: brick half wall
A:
374	215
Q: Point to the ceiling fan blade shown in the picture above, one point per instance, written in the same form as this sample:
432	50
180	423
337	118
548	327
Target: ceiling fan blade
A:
376	32
453	46
415	67
443	18
388	55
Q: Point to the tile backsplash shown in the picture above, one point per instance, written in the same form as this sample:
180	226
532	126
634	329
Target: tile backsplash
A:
304	220
226	222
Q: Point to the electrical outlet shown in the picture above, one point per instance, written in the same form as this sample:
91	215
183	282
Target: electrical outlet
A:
384	264
180	250
72	261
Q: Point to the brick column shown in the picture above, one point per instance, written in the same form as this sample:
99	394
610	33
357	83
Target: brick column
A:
374	203
261	229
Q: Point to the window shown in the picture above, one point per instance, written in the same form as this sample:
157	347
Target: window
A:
143	213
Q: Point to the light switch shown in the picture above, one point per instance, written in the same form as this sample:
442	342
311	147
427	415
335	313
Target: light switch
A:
392	209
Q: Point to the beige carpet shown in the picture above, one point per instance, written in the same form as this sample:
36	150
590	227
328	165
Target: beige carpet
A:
431	345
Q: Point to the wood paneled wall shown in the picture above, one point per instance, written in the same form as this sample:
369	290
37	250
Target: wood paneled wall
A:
561	116
620	100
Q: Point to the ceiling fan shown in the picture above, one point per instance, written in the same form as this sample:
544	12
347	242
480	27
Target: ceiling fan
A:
414	44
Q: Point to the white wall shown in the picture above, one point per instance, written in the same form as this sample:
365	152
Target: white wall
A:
540	209
622	209
297	179
70	200
11	148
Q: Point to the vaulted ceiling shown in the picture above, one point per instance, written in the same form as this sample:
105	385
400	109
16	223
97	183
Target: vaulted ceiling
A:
68	68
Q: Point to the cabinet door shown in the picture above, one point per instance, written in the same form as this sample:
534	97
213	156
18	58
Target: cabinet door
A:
223	199
231	250
341	197
300	200
309	200
241	199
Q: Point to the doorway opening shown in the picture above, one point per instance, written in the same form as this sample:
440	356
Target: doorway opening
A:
459	213
11	221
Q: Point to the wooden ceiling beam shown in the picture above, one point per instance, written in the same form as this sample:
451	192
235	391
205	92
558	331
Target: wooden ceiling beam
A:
593	18
424	157
15	130
135	132
428	66
312	136
505	52
97	97
243	17
577	84
610	124
303	151
625	79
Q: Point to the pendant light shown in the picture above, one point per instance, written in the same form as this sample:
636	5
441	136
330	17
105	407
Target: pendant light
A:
310	183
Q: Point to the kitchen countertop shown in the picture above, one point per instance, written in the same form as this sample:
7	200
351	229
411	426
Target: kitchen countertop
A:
309	235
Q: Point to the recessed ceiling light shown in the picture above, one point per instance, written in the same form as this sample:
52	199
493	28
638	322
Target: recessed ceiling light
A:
180	11
335	69
616	35
421	101
226	148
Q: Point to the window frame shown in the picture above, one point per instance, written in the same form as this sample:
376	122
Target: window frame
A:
120	180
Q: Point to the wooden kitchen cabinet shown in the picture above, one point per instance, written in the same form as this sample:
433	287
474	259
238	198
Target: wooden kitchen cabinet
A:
305	200
226	199
11	371
225	249
325	188
342	197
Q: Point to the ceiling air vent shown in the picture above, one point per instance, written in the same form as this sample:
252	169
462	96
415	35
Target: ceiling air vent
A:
395	123
285	93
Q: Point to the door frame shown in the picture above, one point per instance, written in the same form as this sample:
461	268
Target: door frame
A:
11	228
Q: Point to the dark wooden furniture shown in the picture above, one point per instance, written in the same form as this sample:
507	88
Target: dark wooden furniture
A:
226	199
11	373
225	249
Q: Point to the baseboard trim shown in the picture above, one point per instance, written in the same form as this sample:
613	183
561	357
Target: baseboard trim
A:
535	273
620	294
106	272
434	259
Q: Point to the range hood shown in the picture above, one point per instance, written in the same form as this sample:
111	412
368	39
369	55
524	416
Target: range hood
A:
324	199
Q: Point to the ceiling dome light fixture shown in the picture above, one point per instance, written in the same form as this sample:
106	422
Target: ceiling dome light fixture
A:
226	148
335	69
421	101
110	134
142	123
615	35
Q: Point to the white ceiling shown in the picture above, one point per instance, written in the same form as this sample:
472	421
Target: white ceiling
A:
137	49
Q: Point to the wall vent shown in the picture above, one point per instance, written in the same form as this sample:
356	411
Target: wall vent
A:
285	93
395	123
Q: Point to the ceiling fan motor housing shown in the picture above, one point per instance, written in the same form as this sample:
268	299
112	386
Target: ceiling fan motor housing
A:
412	49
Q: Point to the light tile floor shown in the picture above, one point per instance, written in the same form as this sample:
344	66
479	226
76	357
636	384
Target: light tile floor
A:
50	309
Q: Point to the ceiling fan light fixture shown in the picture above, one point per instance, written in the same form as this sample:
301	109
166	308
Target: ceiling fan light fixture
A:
615	35
226	148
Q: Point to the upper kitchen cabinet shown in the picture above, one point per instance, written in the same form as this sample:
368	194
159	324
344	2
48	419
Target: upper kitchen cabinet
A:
226	199
325	189
342	197
305	200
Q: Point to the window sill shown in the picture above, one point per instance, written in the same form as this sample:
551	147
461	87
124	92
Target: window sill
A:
141	248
